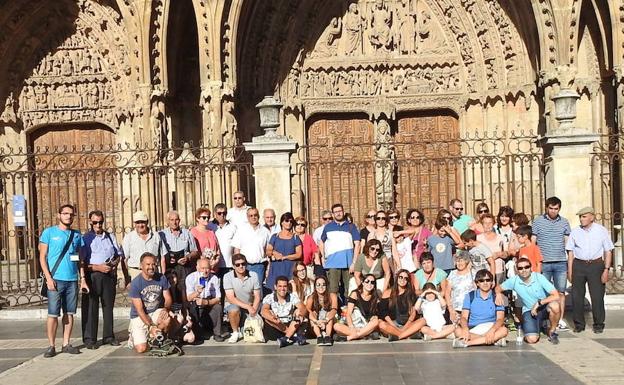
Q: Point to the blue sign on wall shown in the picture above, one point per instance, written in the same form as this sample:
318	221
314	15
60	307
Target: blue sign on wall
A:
19	210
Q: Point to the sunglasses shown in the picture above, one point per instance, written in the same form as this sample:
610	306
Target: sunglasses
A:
97	223
374	248
416	217
302	224
447	217
140	222
369	282
458	208
204	217
402	277
525	267
483	211
321	285
240	264
220	212
327	218
213	257
393	217
380	218
484	280
238	198
370	216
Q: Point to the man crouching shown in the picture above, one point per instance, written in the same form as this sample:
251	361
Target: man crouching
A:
151	301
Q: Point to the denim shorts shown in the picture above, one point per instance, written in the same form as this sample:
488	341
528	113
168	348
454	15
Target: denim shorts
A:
557	273
531	325
65	298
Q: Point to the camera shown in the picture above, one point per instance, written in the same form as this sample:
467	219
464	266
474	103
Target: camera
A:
159	336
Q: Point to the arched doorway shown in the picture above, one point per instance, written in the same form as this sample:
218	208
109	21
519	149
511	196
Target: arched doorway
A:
72	164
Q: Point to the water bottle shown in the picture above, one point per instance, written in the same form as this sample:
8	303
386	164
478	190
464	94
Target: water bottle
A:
519	336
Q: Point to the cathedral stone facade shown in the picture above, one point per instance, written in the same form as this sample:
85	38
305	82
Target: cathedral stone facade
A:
384	77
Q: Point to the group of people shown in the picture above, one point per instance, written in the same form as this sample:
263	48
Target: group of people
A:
470	279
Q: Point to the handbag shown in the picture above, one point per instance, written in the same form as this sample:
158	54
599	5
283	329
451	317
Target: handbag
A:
252	329
44	285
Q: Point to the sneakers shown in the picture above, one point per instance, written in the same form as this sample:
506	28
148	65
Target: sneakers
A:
339	338
426	337
562	326
554	338
502	342
374	336
328	341
320	341
218	338
300	339
416	336
234	337
282	342
51	352
392	338
459	343
598	329
70	349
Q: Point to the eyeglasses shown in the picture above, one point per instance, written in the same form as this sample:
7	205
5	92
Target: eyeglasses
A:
381	218
302	224
402	277
97	223
321	285
458	208
525	267
253	215
238	198
393	217
220	212
374	248
369	282
301	271
370	216
483	211
240	264
140	222
484	280
204	217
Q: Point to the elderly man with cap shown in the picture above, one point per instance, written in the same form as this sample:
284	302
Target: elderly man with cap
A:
140	240
589	260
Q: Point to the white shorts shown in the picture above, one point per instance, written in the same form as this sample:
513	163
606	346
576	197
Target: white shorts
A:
481	329
139	330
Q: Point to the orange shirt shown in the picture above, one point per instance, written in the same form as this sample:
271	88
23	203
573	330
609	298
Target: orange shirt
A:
533	253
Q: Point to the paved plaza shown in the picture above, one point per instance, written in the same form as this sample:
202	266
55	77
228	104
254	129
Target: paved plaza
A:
580	358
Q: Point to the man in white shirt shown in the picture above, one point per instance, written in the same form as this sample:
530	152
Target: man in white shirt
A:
225	231
237	214
269	221
326	217
251	240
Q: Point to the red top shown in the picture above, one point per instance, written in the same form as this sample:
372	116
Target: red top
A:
205	239
309	248
533	253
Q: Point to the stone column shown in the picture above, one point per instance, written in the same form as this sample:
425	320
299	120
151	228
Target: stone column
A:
567	152
271	163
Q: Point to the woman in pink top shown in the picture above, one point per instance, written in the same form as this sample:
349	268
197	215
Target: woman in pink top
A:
310	250
206	239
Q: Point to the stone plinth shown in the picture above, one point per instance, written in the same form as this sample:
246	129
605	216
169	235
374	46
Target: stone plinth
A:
568	171
271	163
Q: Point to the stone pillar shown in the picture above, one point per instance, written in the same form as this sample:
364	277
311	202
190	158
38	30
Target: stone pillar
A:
271	163
568	171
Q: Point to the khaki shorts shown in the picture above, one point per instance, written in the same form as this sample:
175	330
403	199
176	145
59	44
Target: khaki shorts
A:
139	330
481	329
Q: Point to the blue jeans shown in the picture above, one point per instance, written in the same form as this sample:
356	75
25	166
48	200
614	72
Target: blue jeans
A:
557	273
65	297
531	325
258	268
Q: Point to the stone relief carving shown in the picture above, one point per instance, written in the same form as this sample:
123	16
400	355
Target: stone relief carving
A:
158	118
384	165
407	80
229	125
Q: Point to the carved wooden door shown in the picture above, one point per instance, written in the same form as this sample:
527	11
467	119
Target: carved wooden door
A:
73	164
340	166
428	161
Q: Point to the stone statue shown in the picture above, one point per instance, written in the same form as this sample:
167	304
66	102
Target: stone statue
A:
353	24
407	28
326	46
380	35
384	165
8	115
158	123
229	125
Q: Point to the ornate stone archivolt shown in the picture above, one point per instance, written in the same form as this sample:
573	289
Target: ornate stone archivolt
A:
83	78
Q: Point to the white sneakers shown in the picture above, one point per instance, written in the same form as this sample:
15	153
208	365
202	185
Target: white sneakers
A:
235	337
563	326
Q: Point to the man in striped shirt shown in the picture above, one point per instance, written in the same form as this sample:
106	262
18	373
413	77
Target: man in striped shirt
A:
550	232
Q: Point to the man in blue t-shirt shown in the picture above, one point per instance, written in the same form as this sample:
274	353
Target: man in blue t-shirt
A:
340	242
61	242
151	302
540	299
482	321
